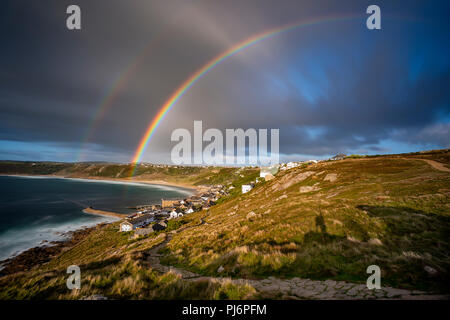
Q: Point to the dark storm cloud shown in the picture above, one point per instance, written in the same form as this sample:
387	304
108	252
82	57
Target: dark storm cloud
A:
330	88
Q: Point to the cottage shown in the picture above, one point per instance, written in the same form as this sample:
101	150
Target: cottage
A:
126	226
139	221
190	210
175	214
246	188
339	156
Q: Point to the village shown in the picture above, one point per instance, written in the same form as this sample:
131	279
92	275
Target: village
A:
155	217
152	218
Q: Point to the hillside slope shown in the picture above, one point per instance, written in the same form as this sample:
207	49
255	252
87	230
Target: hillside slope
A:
330	221
326	221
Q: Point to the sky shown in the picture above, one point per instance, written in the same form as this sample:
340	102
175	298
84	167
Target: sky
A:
329	87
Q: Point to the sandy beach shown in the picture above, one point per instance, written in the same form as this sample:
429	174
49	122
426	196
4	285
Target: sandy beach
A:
195	189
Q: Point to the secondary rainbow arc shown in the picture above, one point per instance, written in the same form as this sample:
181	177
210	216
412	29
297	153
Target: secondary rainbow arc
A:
189	82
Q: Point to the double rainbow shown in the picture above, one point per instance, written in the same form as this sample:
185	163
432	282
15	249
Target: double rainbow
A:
188	83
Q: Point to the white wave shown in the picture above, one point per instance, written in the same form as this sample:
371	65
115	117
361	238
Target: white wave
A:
15	241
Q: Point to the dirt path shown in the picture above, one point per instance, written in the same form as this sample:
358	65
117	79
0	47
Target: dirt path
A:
294	288
436	165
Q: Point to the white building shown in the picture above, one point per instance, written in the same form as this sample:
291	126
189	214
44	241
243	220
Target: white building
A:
126	226
246	188
268	170
174	214
263	173
137	222
190	210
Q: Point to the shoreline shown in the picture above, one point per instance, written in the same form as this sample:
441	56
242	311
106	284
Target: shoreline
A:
196	189
47	247
41	254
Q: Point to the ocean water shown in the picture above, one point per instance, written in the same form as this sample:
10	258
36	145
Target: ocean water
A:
38	209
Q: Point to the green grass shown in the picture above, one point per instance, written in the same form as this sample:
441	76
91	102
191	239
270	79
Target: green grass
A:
402	204
387	211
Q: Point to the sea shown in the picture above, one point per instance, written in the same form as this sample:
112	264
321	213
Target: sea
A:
35	210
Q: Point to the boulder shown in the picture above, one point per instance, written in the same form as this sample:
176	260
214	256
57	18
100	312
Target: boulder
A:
251	215
330	177
290	179
431	271
305	189
375	241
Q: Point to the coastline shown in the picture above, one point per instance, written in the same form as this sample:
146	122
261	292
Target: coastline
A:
48	248
193	188
39	255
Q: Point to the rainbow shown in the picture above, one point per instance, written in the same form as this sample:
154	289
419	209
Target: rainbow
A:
189	82
114	90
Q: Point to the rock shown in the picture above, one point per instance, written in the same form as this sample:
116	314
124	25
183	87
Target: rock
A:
232	213
350	238
290	179
220	269
375	242
281	197
330	177
95	297
251	215
431	271
269	177
305	189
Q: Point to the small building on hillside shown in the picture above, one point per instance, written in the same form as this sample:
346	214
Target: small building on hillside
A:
133	223
125	226
339	156
264	171
190	210
246	188
175	214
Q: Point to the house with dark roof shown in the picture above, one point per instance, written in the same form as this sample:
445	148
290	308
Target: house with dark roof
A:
339	156
133	223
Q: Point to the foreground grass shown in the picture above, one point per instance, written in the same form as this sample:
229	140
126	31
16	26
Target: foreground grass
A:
114	266
323	221
390	212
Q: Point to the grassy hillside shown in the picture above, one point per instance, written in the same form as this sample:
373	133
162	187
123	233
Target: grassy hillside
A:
114	265
329	220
